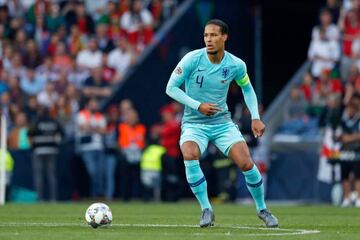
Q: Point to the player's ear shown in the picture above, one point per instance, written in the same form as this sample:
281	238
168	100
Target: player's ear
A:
225	37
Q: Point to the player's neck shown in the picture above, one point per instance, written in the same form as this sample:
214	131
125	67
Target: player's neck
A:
216	58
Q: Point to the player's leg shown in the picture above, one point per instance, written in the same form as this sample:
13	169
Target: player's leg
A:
230	141
197	181
240	154
193	142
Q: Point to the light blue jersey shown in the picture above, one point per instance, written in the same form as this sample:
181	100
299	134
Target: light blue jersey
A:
206	82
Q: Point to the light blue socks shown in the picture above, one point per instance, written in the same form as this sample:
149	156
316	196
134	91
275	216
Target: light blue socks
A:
197	182
255	186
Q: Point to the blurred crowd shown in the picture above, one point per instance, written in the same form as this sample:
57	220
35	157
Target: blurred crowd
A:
58	61
327	102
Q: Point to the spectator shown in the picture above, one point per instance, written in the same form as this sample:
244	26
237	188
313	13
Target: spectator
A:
323	53
334	8
138	24
83	20
8	53
16	68
31	83
38	8
131	140
41	34
331	115
15	25
61	59
32	57
4	82
46	136
324	86
121	58
18	136
296	106
61	84
352	84
77	76
114	30
111	10
61	111
308	87
125	106
95	8
105	43
169	138
350	26
54	19
111	151
30	110
73	97
151	170
91	127
96	86
48	97
108	72
350	139
90	57
47	70
51	46
296	118
331	30
20	42
16	94
76	41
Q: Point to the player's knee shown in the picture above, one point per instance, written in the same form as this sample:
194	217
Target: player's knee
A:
190	151
191	154
247	165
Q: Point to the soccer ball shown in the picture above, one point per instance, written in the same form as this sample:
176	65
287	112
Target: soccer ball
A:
98	215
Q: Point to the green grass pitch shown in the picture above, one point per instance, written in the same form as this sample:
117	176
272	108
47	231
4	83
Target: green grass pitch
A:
176	221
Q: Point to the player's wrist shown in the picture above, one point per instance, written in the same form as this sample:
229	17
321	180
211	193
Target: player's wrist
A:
198	107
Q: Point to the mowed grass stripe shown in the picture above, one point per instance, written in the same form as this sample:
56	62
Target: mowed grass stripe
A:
176	221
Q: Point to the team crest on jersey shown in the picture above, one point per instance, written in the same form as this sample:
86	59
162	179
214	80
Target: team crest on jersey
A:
225	72
178	70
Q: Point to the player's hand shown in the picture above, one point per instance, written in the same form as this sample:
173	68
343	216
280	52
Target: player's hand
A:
209	109
257	127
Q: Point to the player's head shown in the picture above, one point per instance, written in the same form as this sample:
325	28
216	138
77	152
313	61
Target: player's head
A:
215	35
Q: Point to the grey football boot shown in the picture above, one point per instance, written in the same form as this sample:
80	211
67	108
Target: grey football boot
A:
269	219
207	218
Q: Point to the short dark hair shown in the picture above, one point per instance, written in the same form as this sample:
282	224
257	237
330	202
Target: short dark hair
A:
224	28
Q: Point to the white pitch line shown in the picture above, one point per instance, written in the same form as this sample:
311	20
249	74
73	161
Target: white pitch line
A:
274	231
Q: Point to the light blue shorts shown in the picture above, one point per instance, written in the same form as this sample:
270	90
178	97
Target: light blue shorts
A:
222	135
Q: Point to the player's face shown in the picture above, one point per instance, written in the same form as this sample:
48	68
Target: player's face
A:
214	39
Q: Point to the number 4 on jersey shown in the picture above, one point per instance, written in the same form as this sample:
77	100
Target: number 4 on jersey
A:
199	80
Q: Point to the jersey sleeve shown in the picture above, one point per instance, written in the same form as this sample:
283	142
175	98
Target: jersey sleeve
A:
177	78
243	80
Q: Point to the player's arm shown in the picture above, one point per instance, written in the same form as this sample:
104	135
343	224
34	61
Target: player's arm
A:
258	127
249	96
177	78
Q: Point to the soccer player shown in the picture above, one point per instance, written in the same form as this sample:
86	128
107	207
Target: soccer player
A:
207	74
